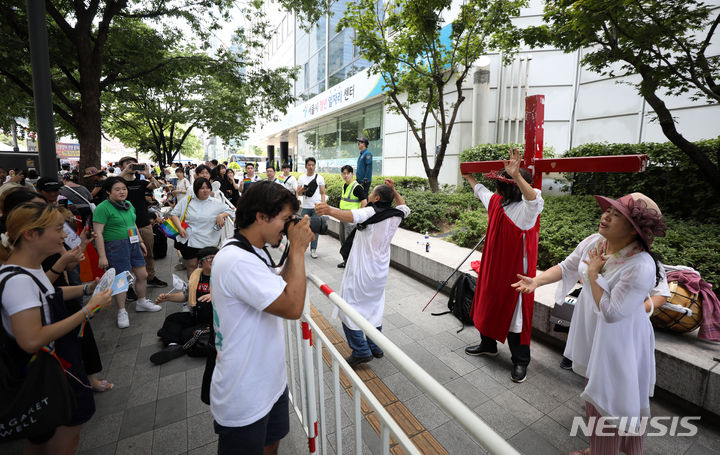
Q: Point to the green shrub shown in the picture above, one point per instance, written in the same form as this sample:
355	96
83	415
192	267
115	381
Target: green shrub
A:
470	228
672	180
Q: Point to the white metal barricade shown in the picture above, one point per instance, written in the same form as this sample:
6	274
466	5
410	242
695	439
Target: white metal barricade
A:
307	391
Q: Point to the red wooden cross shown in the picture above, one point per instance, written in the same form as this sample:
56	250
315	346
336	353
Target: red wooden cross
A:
534	161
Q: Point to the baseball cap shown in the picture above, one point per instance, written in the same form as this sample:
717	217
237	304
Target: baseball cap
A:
48	184
363	139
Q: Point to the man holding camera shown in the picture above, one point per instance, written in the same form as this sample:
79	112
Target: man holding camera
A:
366	271
311	187
248	392
131	171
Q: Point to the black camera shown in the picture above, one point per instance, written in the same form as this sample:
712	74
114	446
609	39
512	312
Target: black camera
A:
318	224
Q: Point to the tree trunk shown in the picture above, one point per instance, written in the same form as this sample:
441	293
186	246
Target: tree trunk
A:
89	133
709	171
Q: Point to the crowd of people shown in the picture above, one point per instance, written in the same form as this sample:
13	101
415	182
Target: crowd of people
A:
60	235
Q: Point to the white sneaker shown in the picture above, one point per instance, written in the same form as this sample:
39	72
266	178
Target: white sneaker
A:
146	305
123	319
313	254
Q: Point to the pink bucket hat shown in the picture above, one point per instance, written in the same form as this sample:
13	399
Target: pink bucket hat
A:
642	212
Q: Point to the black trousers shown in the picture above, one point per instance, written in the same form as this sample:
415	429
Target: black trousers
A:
520	352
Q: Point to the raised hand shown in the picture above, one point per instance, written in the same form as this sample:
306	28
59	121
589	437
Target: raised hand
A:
526	284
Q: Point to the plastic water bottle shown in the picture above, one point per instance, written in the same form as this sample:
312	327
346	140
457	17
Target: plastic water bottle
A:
427	242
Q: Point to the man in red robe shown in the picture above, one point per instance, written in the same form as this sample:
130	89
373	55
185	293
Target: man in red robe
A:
511	247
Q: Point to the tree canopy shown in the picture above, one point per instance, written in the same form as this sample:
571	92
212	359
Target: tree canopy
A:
665	42
424	60
103	47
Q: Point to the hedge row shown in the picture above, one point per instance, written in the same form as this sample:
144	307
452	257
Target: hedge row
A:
672	180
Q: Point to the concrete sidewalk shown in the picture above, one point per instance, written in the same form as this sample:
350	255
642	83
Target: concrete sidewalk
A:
157	409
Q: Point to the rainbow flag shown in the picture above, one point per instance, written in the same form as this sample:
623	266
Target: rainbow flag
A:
281	179
169	230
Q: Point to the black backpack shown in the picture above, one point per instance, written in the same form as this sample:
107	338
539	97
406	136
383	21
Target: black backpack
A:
461	299
381	213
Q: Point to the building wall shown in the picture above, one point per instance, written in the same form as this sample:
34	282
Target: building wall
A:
580	107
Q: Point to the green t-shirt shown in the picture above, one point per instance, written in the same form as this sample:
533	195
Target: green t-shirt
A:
117	222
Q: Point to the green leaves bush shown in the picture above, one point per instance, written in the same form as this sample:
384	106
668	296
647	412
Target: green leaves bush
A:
672	180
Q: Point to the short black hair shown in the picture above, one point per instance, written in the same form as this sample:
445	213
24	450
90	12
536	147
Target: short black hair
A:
308	159
285	166
348	168
15	198
110	182
263	197
206	251
179	169
199	182
269	167
201	168
215	162
249	164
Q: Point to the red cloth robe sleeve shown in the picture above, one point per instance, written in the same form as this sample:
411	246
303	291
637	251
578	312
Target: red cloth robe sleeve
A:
502	260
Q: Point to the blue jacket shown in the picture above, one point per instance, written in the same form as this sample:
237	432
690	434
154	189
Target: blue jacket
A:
364	167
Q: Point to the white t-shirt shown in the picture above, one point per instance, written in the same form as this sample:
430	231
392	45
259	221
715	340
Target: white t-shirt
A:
200	218
183	185
21	293
309	202
250	373
290	182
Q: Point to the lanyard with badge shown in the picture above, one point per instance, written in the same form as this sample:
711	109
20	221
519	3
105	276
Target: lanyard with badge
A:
133	235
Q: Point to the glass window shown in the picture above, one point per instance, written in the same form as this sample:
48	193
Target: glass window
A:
317	36
316	69
337	11
301	48
341	50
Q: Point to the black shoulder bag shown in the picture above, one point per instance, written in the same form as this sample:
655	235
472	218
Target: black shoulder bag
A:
37	397
381	213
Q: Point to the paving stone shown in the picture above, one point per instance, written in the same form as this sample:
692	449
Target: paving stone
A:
170	409
107	449
399	337
699	449
138	419
211	449
136	445
143	392
501	420
558	435
431	364
401	387
181	364
466	392
170	439
171	385
383	367
530	442
520	408
484	383
127	342
457	363
124	358
194	403
426	411
397	320
456	440
537	396
111	401
201	431
193	377
121	376
103	431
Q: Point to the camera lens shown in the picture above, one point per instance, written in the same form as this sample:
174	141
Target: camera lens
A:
318	224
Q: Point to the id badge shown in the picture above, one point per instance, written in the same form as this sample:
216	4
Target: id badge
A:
133	235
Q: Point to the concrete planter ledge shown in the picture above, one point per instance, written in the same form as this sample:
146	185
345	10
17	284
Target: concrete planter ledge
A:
684	364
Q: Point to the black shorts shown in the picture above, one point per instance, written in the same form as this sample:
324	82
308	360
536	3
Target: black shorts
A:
187	252
251	439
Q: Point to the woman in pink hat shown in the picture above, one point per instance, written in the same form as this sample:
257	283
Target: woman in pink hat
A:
611	341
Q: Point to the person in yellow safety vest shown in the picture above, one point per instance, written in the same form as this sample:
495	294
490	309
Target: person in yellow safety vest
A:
353	197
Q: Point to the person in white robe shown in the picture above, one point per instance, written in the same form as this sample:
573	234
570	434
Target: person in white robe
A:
611	340
366	270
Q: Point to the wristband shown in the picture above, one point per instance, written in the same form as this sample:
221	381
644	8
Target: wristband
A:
85	289
55	271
